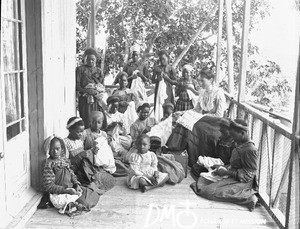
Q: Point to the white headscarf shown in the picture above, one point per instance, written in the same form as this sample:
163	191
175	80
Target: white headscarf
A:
188	67
135	48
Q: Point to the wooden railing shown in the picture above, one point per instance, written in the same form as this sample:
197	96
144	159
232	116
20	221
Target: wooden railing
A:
274	144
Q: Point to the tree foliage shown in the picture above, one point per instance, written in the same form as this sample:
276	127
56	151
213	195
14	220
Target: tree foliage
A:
169	25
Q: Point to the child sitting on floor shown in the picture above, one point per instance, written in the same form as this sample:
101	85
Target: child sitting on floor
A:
59	179
143	124
96	137
143	171
82	160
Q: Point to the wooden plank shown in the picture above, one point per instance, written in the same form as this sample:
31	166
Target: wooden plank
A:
219	44
163	207
244	58
229	47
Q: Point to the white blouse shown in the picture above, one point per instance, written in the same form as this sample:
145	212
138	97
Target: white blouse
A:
212	102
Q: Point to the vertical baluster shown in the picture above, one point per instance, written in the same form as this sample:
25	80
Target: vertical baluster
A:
278	150
263	176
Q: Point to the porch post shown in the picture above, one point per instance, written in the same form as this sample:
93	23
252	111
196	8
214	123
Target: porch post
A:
229	47
93	24
243	65
219	44
293	209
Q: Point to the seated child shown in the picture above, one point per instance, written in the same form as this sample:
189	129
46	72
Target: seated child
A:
143	124
143	171
117	130
82	160
96	137
222	154
59	179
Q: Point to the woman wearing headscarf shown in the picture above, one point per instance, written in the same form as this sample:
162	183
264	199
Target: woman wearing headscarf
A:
89	85
186	90
238	183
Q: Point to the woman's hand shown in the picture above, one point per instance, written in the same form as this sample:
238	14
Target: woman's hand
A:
147	129
95	150
154	180
243	177
78	188
221	171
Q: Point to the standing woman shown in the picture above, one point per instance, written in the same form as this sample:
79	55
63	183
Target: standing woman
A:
164	71
135	68
88	74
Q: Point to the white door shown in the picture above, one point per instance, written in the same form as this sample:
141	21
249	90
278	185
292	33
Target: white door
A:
14	143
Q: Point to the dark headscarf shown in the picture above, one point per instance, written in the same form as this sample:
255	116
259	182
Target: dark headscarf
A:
91	51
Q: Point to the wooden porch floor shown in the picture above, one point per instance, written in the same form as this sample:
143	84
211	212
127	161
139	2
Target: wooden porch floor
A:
167	207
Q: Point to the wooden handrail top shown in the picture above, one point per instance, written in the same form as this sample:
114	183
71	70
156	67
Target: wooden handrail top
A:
264	117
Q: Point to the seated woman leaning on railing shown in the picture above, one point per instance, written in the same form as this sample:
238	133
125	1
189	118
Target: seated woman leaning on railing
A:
236	181
197	130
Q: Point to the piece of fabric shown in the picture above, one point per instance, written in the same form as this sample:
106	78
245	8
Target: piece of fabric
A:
175	171
86	170
208	162
189	118
162	130
171	73
160	98
104	157
130	116
201	141
138	86
244	160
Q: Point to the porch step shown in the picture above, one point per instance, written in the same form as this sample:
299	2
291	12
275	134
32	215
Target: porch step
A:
26	213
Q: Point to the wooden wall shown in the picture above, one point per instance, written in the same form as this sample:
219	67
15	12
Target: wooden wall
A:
51	49
59	50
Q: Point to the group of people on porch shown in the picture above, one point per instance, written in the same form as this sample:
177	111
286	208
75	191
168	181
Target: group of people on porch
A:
121	134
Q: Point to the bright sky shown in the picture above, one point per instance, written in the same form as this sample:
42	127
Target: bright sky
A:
278	36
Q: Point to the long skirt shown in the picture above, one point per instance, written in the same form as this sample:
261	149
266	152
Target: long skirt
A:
87	173
89	197
85	109
201	141
226	190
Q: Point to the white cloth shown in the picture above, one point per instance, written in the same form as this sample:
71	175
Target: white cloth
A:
162	130
138	87
189	118
130	116
61	201
208	162
193	97
105	157
160	100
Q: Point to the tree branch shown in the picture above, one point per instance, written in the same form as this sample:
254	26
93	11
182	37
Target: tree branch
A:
208	19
